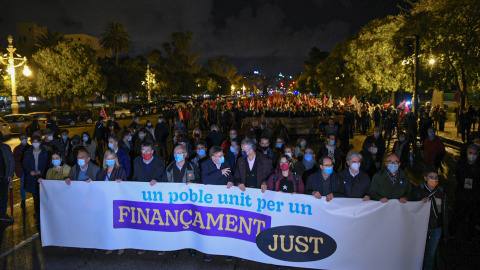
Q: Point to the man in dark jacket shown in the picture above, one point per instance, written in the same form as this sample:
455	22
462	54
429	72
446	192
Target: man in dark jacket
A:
84	170
53	126
391	183
123	157
100	134
253	169
181	170
65	143
162	130
324	182
7	171
375	144
19	153
331	150
215	138
216	171
149	167
353	183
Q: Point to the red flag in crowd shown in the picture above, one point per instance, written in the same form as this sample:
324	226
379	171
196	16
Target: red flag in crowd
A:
325	100
401	104
349	99
102	113
386	105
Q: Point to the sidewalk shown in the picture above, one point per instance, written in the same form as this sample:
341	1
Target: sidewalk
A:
449	135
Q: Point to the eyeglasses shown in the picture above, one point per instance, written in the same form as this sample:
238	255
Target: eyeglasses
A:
393	162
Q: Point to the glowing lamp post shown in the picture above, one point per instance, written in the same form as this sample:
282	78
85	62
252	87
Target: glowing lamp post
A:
12	61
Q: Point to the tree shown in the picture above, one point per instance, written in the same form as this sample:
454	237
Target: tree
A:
309	80
68	70
450	34
116	39
223	68
125	78
49	39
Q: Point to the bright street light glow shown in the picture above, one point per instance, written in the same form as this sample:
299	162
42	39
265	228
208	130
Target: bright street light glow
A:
432	61
26	71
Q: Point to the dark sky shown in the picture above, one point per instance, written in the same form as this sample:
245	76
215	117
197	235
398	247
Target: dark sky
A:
271	36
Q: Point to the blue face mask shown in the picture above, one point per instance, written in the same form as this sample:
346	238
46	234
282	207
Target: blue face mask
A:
303	144
232	149
141	136
110	145
431	134
64	137
201	152
81	162
110	162
179	157
221	160
393	168
376	134
308	157
56	162
332	142
130	138
328	171
401	139
85	139
278	145
233	136
244	154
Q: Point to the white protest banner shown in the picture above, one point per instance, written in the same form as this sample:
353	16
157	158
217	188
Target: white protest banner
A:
275	228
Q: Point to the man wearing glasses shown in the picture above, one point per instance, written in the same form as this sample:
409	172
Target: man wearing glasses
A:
324	182
391	183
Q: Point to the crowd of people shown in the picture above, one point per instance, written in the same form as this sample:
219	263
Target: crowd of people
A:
215	152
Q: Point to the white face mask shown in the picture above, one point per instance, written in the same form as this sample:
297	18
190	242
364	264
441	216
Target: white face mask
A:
355	166
472	157
289	154
50	137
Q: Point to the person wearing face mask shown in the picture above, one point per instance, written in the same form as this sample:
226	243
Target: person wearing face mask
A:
215	138
233	135
475	139
19	153
233	154
264	148
90	145
111	169
122	157
324	182
126	142
216	171
142	138
285	179
300	148
49	142
253	169
149	128
278	150
298	167
35	164
353	183
331	150
181	170
467	200
84	170
113	125
434	194
201	154
196	137
379	142
65	143
391	183
59	169
53	126
402	149
434	150
162	131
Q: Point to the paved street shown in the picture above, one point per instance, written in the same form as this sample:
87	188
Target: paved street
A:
21	246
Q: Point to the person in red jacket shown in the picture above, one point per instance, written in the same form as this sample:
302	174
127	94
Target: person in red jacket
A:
18	152
434	150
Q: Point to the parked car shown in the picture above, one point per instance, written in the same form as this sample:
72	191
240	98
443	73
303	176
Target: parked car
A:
85	115
119	112
18	122
42	118
5	128
65	117
139	110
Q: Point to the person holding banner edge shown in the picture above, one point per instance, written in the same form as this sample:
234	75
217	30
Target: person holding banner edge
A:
391	183
84	170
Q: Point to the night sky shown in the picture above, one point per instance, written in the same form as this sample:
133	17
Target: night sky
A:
270	36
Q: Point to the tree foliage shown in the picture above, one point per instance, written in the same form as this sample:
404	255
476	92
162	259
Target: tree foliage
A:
116	39
68	71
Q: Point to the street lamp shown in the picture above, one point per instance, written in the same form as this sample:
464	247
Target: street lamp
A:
150	80
9	59
233	89
244	88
